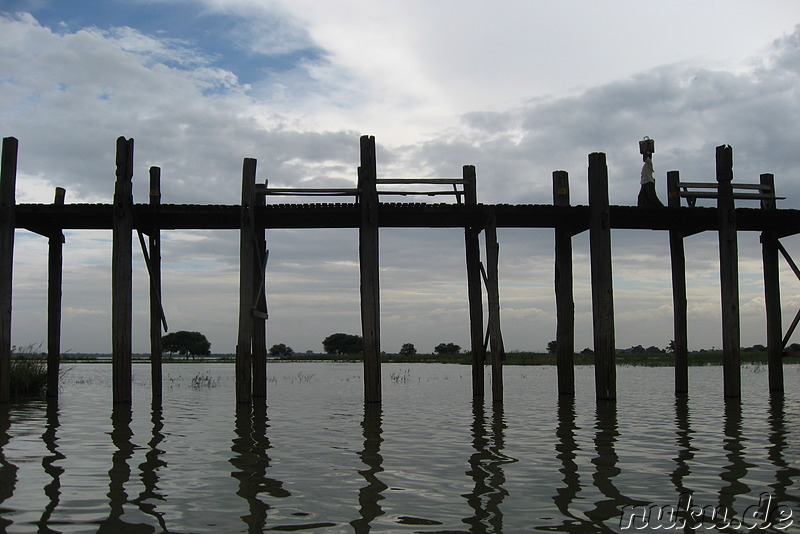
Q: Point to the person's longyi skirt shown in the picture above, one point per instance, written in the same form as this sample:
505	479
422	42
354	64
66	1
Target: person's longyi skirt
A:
648	197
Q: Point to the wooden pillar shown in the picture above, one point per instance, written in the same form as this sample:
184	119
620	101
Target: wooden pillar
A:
678	264
8	180
121	273
772	293
493	297
247	255
154	246
368	260
565	305
260	298
474	292
601	277
55	245
729	273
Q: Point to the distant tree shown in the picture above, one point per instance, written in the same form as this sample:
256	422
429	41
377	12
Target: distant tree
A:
408	349
447	348
653	350
671	346
186	343
343	344
552	347
280	350
587	350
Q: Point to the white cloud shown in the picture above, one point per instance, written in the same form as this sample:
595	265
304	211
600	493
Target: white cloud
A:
519	94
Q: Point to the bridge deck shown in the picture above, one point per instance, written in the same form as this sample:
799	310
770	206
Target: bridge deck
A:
42	218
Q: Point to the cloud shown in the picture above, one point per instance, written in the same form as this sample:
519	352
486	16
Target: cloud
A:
69	94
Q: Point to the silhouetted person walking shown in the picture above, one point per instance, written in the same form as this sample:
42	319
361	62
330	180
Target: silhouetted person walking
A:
647	193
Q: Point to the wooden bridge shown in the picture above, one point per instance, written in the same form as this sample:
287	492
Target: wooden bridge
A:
365	211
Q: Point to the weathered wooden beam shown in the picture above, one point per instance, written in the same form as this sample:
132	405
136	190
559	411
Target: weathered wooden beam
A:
247	254
679	304
474	292
55	245
121	273
729	273
156	310
772	294
368	261
601	277
8	180
565	304
260	305
493	298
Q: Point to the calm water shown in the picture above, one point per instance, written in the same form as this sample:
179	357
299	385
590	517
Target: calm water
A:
428	460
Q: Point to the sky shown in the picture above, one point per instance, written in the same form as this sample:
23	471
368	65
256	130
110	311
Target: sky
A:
517	88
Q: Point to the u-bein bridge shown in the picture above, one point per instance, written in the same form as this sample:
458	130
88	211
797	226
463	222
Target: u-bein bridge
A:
368	214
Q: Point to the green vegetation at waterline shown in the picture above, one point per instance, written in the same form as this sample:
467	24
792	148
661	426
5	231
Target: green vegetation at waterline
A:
536	358
27	373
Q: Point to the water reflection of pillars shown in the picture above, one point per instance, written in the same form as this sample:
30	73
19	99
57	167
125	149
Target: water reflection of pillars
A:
370	495
8	471
150	467
252	462
735	471
49	463
566	449
486	470
606	467
120	472
785	472
685	454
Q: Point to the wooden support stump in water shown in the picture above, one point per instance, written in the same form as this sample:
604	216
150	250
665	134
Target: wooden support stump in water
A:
8	179
772	293
368	260
565	305
602	283
678	265
493	298
474	292
55	245
260	304
247	255
154	246
729	273
121	273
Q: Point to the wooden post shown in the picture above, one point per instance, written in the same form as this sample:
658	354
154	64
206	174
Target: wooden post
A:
260	298
55	245
474	292
601	276
729	273
8	180
565	305
772	293
154	246
678	264
368	260
247	255
121	273
493	297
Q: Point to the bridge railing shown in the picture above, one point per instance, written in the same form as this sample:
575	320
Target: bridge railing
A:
691	191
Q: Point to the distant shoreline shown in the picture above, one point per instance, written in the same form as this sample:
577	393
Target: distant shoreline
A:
513	358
